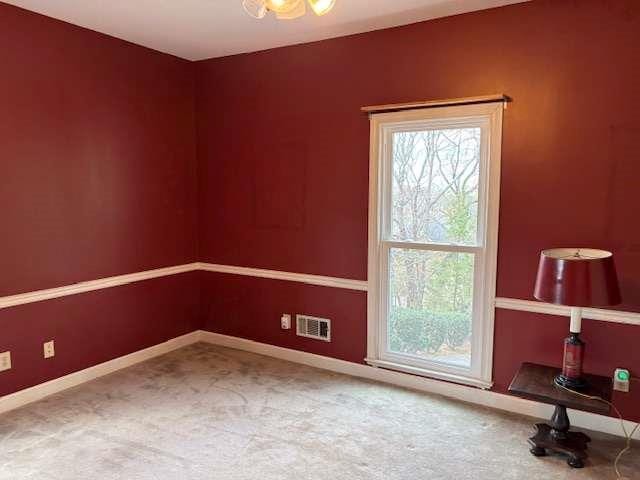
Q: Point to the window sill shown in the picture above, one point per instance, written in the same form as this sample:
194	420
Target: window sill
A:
423	372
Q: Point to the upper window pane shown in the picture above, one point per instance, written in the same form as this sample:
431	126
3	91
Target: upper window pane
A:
435	185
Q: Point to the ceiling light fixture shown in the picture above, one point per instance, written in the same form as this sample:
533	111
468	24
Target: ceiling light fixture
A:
320	7
286	9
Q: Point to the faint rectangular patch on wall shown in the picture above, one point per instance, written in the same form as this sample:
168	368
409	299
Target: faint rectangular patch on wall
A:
623	184
280	185
623	229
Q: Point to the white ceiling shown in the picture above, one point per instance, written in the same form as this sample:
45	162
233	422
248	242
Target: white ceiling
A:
199	29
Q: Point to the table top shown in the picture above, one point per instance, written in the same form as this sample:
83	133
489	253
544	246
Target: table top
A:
535	382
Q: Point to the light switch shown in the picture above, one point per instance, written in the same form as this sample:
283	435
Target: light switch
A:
49	349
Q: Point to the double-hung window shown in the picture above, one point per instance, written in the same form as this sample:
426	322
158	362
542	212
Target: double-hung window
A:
435	179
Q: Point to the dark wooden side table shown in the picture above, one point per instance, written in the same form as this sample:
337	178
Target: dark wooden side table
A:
535	382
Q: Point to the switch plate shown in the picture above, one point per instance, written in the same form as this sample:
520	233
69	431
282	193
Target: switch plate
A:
621	380
285	321
5	361
49	349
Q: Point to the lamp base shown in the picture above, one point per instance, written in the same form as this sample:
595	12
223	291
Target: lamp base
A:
576	384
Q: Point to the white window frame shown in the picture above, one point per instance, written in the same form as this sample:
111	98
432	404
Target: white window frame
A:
487	116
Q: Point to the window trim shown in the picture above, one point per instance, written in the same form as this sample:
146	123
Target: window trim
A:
481	371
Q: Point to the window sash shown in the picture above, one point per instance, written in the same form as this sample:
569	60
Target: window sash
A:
416	361
389	129
488	118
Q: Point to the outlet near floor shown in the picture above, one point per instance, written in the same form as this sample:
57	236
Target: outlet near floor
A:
621	379
5	361
49	349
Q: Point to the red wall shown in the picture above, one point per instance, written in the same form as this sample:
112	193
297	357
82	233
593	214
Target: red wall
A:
97	178
252	308
94	327
283	158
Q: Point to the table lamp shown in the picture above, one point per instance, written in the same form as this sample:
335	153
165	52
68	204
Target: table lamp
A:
576	277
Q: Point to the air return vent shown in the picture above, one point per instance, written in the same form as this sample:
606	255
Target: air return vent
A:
313	327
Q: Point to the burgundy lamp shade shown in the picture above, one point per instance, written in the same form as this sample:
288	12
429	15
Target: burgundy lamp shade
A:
579	277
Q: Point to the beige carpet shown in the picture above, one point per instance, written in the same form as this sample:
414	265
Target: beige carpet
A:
206	412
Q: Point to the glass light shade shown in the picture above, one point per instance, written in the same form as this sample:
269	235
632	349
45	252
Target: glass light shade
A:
320	7
283	6
297	12
255	8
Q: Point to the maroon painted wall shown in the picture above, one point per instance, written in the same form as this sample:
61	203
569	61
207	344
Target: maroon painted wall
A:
98	162
95	327
97	178
251	307
283	159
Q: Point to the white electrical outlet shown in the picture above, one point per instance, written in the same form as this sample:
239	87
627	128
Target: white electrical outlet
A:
621	380
5	361
285	321
49	349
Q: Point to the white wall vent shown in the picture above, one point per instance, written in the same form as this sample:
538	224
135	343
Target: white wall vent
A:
313	327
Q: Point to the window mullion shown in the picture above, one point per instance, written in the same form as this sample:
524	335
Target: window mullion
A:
436	247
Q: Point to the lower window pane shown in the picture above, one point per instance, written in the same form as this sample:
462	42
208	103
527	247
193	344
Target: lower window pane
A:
430	305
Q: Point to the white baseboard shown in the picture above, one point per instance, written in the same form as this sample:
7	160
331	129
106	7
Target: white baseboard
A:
38	392
476	396
459	392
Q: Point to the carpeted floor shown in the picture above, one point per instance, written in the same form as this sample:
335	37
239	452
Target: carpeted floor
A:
205	412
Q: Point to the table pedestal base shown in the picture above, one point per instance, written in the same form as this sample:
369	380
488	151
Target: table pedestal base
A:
557	438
